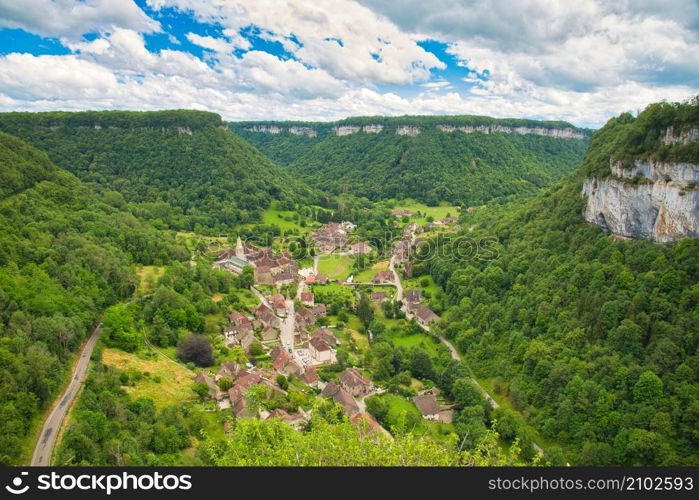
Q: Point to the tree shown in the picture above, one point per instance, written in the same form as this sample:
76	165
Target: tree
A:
118	322
365	312
466	393
376	407
196	349
247	277
282	382
648	388
201	390
421	363
225	383
256	349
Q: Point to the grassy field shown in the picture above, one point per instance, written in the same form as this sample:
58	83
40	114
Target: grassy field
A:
247	298
398	407
430	290
148	277
351	330
284	219
424	340
305	262
191	240
166	382
438	212
366	275
337	267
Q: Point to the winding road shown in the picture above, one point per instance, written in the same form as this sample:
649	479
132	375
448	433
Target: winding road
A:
49	431
454	353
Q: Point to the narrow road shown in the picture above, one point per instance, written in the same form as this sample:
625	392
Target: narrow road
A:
52	425
454	353
396	278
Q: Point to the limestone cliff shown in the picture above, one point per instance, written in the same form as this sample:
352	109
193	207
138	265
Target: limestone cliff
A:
653	199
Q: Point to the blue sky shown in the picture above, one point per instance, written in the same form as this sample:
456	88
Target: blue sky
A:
328	59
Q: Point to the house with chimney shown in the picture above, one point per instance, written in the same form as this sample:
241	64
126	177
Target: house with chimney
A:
382	277
425	316
305	317
278	303
427	404
413	296
341	397
269	334
326	335
355	383
320	351
319	310
307	299
266	317
283	362
310	376
361	248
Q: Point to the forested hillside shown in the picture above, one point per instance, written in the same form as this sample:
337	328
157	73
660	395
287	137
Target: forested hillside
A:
415	157
181	168
594	338
65	254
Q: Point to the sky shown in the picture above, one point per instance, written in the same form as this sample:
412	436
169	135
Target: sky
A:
582	61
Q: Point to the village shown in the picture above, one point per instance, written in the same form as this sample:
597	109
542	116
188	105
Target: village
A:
290	326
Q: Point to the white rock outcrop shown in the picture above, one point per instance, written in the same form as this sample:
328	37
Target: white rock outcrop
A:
686	136
372	128
346	130
267	129
662	204
561	133
308	131
408	130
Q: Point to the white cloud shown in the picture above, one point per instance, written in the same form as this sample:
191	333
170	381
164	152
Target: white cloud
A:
28	77
265	72
372	49
72	18
580	61
219	44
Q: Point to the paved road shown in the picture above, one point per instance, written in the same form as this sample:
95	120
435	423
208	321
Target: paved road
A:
396	278
52	425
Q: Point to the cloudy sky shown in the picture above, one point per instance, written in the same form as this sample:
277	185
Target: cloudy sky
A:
581	61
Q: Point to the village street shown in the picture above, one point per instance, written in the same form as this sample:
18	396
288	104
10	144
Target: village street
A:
288	324
396	278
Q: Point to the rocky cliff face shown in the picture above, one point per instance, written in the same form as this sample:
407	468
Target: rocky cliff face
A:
653	200
411	130
561	133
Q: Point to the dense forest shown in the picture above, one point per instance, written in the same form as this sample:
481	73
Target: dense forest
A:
590	341
627	138
593	338
179	169
433	166
65	255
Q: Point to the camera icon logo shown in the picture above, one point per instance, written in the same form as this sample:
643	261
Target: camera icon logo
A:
16	487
